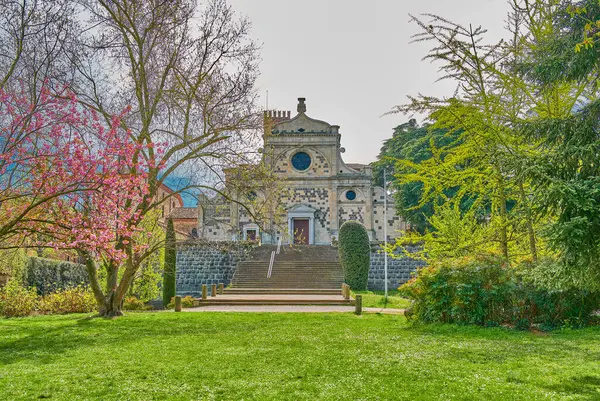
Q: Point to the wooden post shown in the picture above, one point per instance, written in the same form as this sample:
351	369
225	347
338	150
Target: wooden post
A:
178	303
358	304
221	288
344	290
347	291
213	290
204	291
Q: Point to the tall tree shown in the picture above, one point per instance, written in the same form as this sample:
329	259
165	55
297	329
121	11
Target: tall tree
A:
566	170
189	75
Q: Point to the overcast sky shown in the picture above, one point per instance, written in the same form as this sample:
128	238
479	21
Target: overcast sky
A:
352	59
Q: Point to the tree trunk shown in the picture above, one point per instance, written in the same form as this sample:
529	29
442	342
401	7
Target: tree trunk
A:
503	219
530	230
109	304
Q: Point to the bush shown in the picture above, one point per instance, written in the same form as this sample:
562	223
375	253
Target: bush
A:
133	303
49	275
69	300
485	291
355	254
16	300
186	302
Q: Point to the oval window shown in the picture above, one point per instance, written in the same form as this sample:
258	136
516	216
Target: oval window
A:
301	161
351	195
251	195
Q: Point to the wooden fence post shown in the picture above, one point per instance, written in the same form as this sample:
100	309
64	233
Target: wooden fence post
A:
358	304
213	290
204	290
178	303
221	288
347	294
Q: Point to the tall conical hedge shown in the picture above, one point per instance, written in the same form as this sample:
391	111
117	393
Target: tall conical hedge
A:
355	254
170	264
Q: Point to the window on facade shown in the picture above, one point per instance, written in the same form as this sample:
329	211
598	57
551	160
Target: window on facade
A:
251	195
301	161
350	195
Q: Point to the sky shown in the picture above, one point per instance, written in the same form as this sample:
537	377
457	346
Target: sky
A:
352	59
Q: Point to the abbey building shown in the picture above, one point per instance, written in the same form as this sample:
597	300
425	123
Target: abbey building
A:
318	191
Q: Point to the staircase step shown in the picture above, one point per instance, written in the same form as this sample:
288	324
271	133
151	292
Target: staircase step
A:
312	291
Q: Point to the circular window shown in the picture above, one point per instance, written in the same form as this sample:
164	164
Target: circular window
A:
251	195
350	195
301	161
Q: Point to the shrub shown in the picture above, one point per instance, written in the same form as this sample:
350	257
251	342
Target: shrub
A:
186	302
16	300
170	264
133	303
49	275
69	300
485	291
355	253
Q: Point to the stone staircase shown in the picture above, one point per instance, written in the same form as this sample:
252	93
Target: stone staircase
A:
301	275
312	268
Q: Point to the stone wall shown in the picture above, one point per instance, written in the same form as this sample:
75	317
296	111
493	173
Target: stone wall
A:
399	270
207	263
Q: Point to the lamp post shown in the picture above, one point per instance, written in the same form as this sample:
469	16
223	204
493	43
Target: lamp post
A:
385	223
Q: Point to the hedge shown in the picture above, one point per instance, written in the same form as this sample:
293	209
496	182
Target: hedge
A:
49	275
355	254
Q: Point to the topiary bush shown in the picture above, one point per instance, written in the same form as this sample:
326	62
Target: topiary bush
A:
484	290
355	254
49	275
170	264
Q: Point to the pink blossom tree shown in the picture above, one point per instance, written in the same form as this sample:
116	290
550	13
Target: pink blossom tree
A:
66	175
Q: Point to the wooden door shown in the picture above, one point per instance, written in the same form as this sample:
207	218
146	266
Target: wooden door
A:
300	232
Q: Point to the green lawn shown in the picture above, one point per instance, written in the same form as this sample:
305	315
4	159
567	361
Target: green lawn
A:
376	299
234	356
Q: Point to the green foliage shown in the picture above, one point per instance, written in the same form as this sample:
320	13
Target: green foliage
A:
486	291
146	284
13	262
16	300
453	234
133	303
69	300
410	144
169	264
355	254
49	275
186	302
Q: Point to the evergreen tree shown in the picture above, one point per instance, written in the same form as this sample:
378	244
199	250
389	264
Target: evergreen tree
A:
170	264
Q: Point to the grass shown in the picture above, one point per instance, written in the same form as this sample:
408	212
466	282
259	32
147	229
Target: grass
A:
376	299
235	356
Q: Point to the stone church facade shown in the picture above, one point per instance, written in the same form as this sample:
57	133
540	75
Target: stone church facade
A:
322	191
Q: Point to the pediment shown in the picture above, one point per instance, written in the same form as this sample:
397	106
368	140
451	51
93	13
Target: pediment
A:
304	124
301	209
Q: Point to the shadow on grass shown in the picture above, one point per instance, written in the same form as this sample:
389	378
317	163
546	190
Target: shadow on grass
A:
585	386
43	343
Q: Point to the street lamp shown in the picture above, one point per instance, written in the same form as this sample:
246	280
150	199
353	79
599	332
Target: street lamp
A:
385	223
